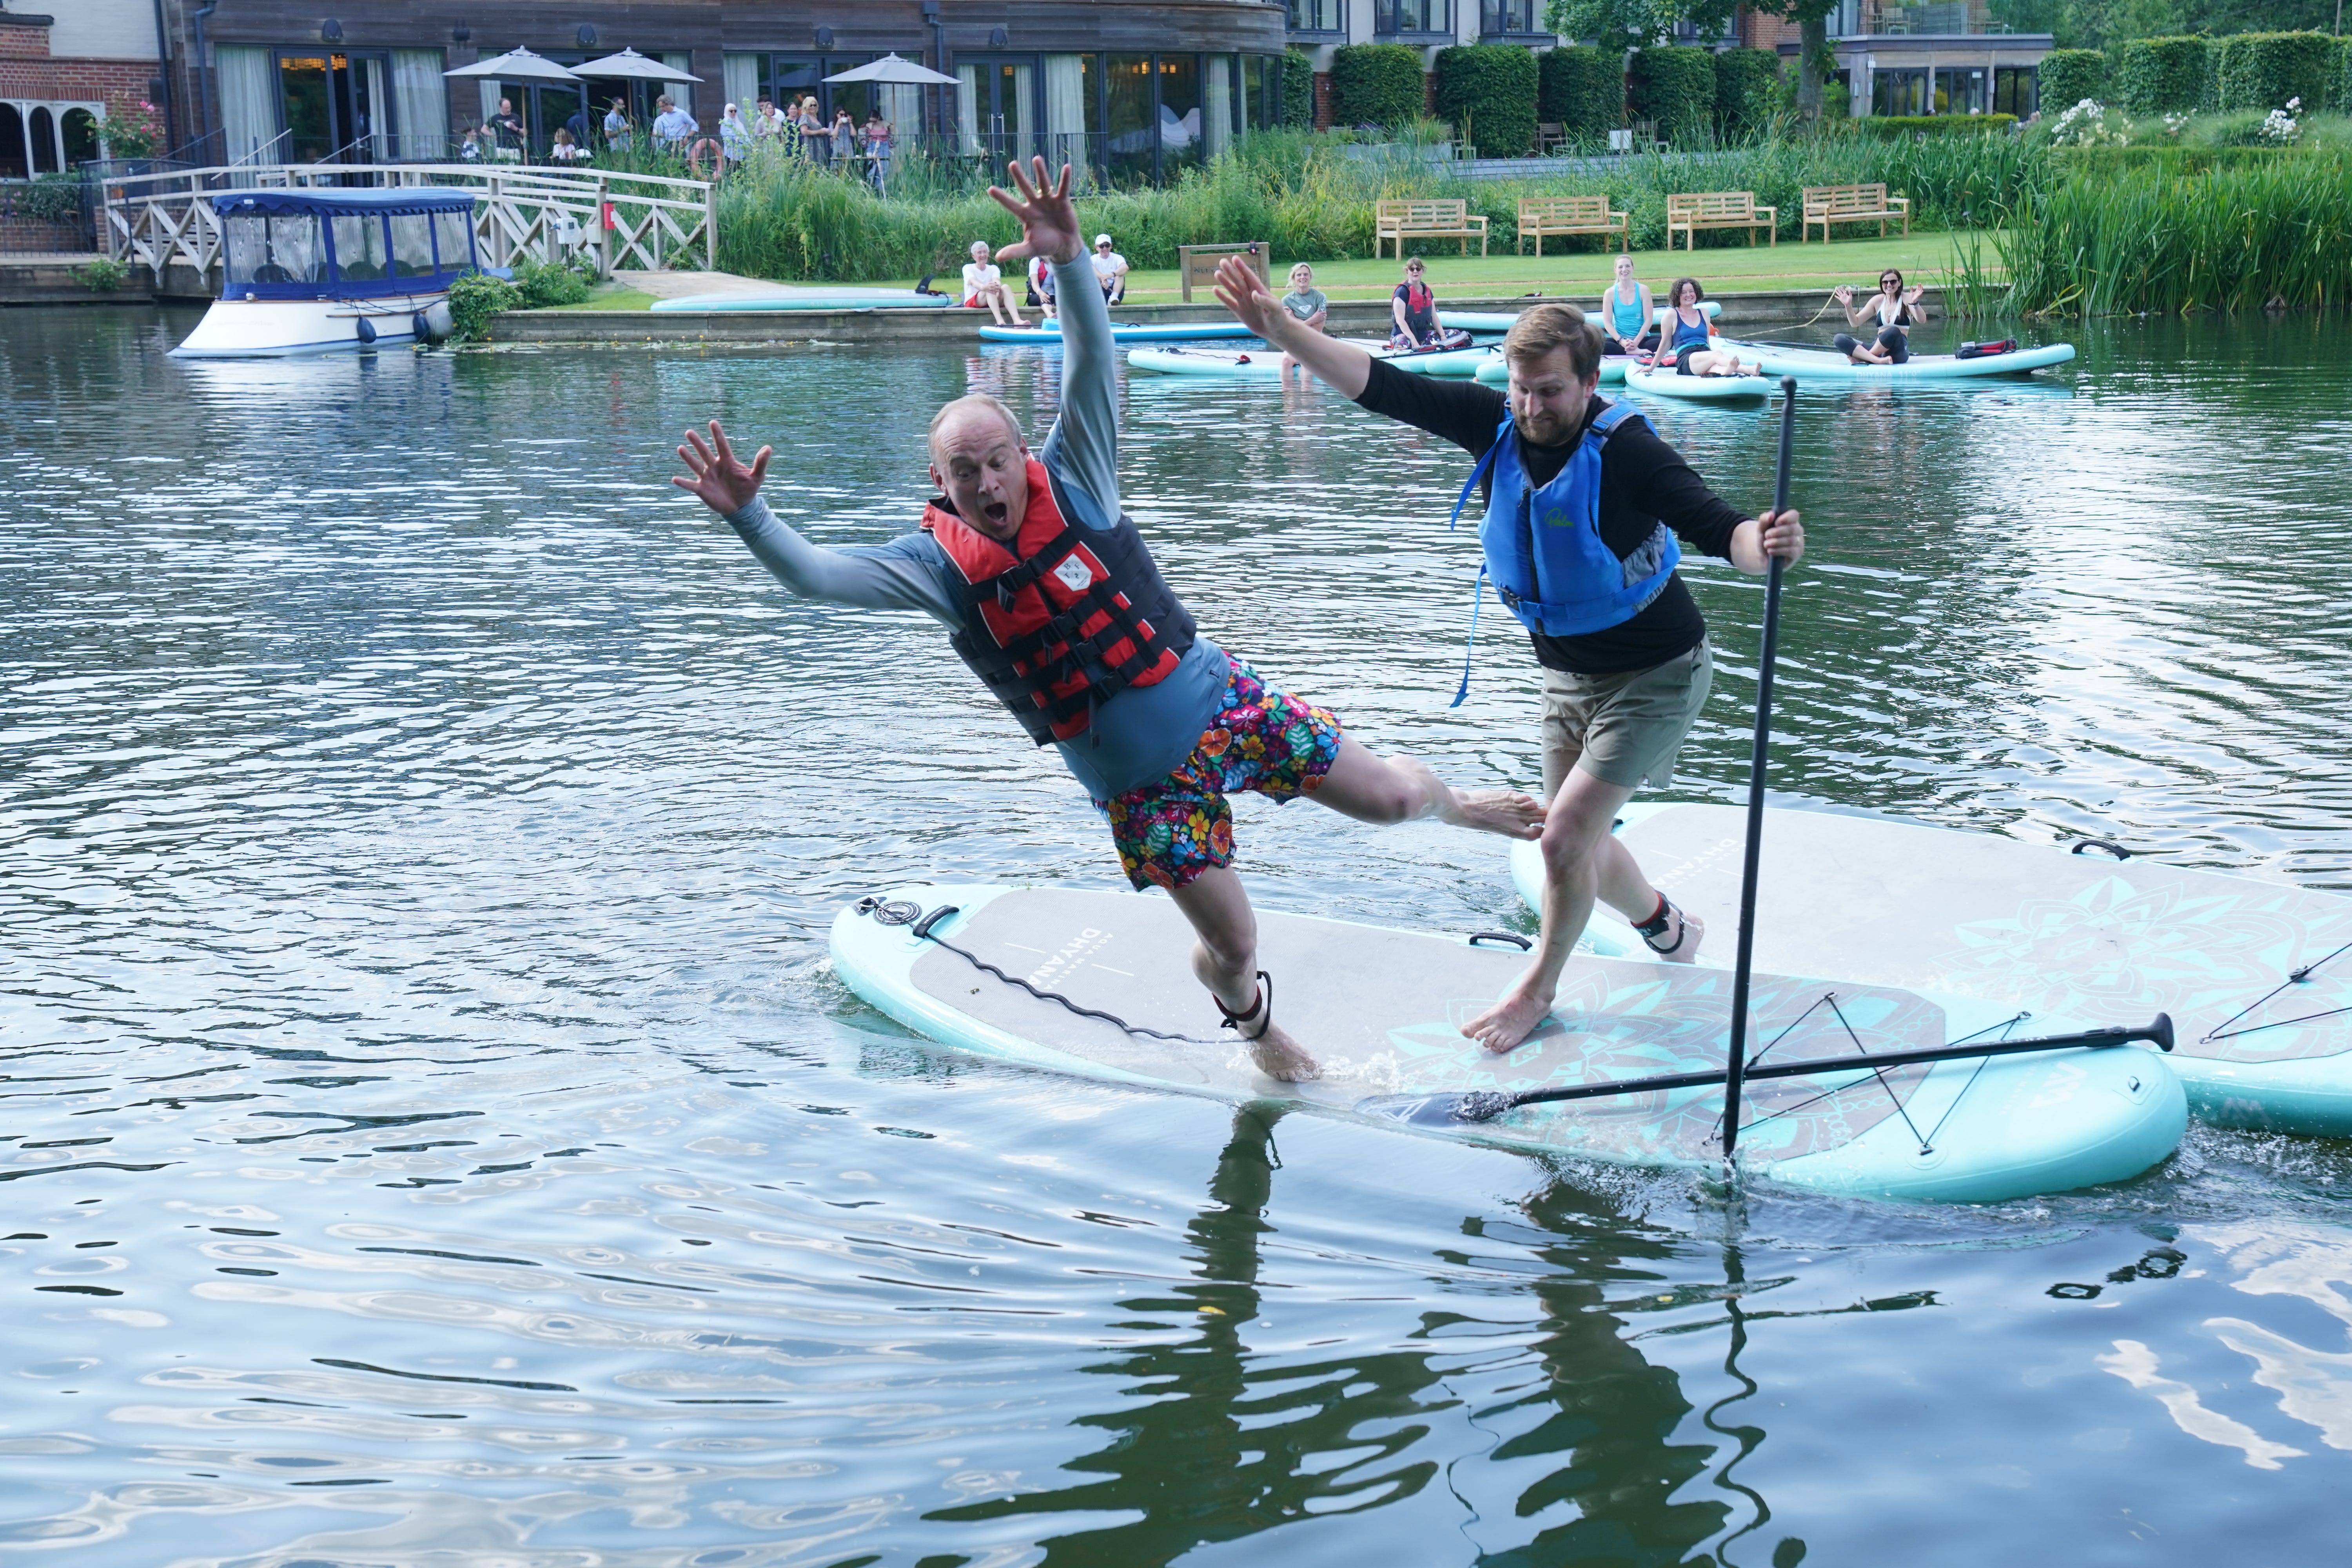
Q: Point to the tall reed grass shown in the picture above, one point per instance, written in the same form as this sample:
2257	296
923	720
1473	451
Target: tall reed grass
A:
1313	201
2236	238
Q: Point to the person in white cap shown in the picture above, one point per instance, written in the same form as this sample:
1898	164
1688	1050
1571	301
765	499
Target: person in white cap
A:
1110	271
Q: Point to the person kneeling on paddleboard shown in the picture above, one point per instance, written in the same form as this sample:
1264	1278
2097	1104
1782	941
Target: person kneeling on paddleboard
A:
1051	595
1584	507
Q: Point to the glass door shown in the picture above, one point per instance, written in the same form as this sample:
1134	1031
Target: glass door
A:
1000	113
338	108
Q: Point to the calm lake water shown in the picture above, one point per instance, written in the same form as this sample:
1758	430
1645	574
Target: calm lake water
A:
432	1133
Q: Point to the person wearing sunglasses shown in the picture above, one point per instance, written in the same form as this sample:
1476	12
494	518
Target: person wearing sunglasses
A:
1412	312
1892	308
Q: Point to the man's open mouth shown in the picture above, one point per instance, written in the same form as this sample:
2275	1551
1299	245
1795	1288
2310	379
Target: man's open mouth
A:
994	511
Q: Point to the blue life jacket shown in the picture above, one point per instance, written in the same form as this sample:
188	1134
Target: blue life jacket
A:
1543	547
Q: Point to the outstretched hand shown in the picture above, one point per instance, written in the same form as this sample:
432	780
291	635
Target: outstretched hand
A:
1842	294
1241	291
717	475
1049	222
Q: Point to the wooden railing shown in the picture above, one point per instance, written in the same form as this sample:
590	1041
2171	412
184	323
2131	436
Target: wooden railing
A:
644	222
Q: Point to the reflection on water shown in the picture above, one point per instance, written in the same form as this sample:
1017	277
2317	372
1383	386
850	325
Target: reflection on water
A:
432	1130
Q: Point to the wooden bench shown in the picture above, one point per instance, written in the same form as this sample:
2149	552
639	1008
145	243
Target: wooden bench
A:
1543	216
1403	220
1826	204
1198	263
1691	211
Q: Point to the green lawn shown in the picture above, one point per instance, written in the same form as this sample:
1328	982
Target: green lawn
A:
1923	257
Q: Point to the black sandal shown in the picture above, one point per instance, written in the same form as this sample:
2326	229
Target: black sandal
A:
1262	1005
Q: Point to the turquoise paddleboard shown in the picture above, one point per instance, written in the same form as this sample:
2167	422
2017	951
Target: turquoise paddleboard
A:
2083	936
1827	365
1120	332
1247	363
1672	382
1502	320
845	299
1497	372
1382	1010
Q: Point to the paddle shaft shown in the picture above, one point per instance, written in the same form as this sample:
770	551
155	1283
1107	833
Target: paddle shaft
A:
1758	758
2159	1032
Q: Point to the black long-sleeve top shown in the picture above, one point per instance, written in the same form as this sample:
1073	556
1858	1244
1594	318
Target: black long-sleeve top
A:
1644	482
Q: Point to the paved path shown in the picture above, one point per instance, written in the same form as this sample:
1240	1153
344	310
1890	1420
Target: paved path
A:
677	285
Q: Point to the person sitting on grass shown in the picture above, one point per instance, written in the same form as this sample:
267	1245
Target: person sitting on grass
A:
1111	271
1893	308
1629	317
983	286
1049	593
1306	304
1041	286
1690	336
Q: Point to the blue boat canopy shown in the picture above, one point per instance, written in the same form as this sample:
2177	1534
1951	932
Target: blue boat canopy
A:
317	202
336	244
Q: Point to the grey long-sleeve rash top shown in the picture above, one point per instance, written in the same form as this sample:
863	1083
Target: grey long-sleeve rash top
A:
1142	735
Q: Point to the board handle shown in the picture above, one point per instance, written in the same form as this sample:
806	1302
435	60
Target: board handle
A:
1522	943
2109	845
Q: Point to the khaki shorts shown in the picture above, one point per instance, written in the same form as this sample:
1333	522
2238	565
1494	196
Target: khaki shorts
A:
1625	729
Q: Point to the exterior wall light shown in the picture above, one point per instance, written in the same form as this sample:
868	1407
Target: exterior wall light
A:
824	38
587	36
331	31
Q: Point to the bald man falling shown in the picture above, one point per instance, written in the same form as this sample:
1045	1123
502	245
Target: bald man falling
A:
1050	595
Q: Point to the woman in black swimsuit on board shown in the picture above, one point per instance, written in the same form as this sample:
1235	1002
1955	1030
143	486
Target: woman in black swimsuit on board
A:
1892	308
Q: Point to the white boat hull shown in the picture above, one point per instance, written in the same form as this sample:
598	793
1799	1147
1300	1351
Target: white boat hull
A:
264	328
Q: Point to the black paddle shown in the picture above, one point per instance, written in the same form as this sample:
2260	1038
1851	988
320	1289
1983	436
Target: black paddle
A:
1758	759
1485	1105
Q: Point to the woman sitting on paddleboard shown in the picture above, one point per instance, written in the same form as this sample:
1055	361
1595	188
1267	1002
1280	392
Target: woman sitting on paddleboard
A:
1413	310
1628	320
1894	308
1050	594
1690	337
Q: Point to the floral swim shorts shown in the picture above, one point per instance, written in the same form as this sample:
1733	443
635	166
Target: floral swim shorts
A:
1262	740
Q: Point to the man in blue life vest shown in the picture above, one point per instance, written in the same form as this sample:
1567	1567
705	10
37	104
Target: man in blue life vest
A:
1585	507
1050	594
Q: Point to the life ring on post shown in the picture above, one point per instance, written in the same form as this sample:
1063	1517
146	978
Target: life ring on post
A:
704	155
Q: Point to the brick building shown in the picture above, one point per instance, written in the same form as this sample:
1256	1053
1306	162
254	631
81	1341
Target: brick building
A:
65	69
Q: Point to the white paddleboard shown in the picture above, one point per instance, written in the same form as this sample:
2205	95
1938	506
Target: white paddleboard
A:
1382	1010
2081	936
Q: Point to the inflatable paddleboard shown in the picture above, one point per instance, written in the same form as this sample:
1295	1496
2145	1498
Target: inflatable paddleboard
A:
2083	936
1267	362
1503	321
1497	371
845	299
1829	366
1382	1010
1671	383
1121	333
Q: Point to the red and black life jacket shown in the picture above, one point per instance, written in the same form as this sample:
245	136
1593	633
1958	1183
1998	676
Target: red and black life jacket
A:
1063	618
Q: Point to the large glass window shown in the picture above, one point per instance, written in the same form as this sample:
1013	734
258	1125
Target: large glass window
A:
1506	16
1130	127
2014	90
1317	17
1181	139
13	163
1412	16
1898	92
1960	90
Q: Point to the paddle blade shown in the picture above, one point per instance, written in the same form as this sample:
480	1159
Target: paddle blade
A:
1437	1110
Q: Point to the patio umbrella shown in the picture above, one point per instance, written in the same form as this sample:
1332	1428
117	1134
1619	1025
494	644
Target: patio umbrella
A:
516	65
631	66
892	70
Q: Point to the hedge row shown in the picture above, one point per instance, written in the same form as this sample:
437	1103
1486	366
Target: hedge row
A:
2069	75
1377	84
1487	93
1674	88
1744	80
1887	127
2162	76
1299	90
1582	91
2260	71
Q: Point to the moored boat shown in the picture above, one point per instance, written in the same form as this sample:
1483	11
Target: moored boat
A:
316	271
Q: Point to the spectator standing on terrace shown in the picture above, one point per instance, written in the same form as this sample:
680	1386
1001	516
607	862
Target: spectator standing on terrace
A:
813	140
734	137
616	124
673	125
877	149
506	129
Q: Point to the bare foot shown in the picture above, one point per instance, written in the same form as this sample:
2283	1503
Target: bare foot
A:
1503	811
1686	932
1280	1056
1501	1027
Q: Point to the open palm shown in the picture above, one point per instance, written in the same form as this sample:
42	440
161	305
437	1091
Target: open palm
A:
1049	222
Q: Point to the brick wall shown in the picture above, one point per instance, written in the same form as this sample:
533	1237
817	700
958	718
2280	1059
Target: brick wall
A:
1761	31
84	82
23	43
1322	100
